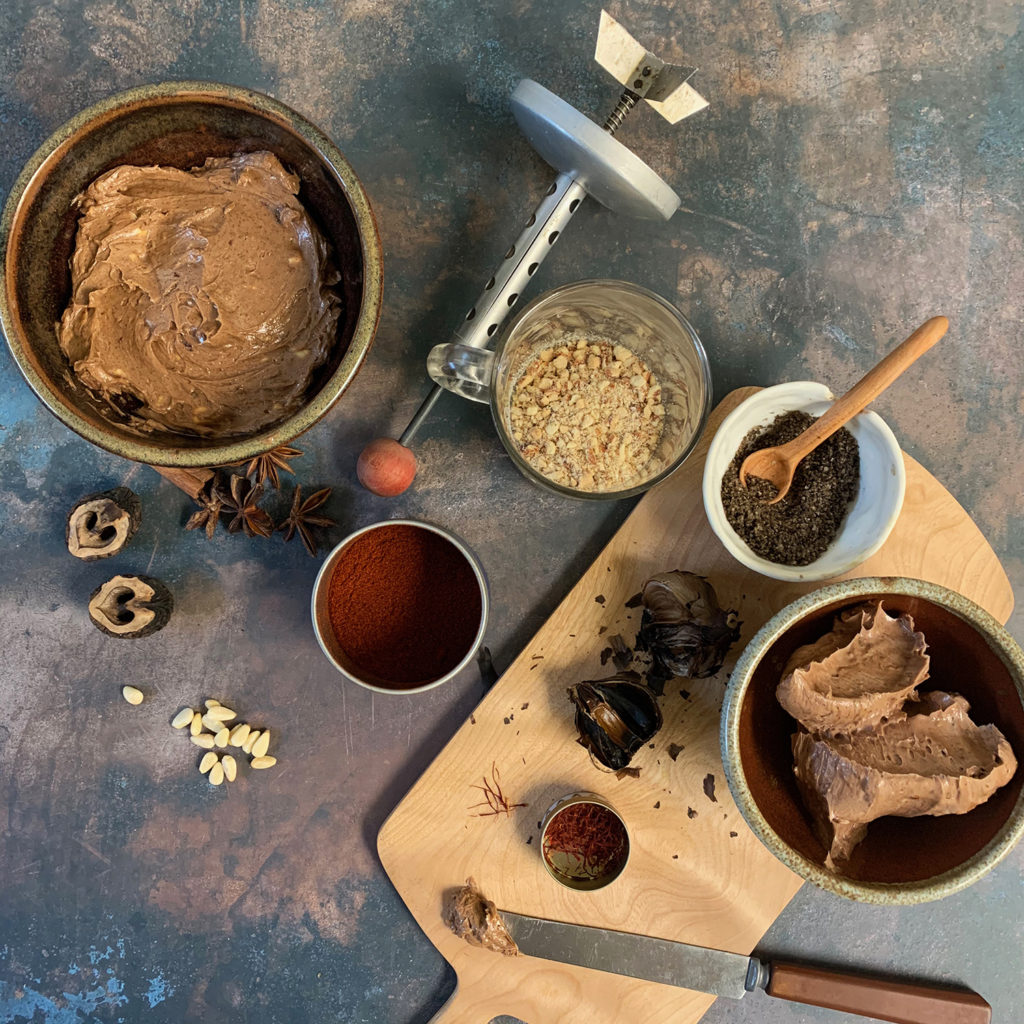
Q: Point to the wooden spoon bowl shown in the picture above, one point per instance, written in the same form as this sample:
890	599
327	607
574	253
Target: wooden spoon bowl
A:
778	463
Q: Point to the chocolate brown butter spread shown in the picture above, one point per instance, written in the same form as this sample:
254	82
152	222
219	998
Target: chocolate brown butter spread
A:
475	918
908	756
857	676
201	300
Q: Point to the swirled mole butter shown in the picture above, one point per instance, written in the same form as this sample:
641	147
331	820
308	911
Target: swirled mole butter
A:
202	300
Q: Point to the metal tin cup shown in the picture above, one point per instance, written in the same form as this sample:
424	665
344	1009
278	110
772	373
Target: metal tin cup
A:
342	660
600	850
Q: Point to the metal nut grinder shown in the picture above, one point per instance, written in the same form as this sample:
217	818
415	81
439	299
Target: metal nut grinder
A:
589	161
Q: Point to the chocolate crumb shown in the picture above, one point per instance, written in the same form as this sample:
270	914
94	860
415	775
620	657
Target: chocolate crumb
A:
685	694
602	630
675	856
733	835
600	599
636	600
657	805
472	719
536	657
690	812
523	707
506	721
633	773
538	825
709	787
674	750
605	655
529	840
622	652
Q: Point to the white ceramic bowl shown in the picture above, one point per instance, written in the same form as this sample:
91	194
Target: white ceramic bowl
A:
874	511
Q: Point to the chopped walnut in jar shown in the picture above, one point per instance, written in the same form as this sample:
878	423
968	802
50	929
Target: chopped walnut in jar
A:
587	415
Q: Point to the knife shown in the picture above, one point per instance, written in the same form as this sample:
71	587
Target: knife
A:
721	973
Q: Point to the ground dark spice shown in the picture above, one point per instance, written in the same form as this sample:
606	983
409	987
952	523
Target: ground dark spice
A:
798	529
404	604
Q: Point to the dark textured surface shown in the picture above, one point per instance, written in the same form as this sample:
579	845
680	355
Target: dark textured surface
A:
857	172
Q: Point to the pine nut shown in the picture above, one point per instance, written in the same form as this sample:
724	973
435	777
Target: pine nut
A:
197	724
204	739
221	738
216	774
263	762
182	718
247	746
132	694
262	745
230	767
220	713
209	759
239	735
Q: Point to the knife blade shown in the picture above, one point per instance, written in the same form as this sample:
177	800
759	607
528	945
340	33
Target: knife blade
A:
721	973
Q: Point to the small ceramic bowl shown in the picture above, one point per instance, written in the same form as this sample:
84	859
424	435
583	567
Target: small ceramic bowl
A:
176	124
874	510
902	860
343	661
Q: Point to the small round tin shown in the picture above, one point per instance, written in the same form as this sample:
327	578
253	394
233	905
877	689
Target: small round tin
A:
336	654
584	842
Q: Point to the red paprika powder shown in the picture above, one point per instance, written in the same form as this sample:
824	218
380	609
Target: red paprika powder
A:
404	604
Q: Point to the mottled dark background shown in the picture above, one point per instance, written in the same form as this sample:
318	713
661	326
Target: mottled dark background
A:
859	170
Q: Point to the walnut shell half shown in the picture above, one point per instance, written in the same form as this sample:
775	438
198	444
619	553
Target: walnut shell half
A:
101	524
131	606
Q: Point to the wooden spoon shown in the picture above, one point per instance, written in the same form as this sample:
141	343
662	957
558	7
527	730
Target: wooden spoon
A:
777	464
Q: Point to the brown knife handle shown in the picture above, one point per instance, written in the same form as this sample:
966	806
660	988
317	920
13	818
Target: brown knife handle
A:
895	1001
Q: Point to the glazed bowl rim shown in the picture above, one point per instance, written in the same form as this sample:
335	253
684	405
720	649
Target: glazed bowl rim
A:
57	147
999	640
805	392
323	579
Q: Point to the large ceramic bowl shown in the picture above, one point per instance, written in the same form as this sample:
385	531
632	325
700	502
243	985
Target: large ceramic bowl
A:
178	124
902	860
874	509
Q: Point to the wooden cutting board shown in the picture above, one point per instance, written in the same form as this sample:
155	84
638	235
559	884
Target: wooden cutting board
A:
696	873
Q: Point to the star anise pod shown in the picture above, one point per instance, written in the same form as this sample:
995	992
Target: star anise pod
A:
302	517
266	468
244	501
210	503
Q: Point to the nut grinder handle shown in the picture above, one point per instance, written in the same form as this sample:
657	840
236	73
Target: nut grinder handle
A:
464	364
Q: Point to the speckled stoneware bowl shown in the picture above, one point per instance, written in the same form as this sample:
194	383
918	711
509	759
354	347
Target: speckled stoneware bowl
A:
875	507
178	124
902	860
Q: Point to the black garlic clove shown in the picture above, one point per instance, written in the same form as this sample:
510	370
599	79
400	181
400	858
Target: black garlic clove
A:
683	627
131	607
101	524
615	717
